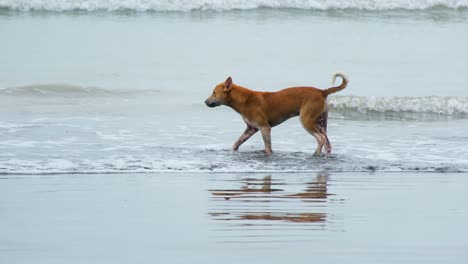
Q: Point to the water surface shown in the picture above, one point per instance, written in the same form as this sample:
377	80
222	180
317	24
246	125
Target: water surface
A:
254	218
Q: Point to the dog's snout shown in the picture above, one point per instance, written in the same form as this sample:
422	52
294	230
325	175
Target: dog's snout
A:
210	103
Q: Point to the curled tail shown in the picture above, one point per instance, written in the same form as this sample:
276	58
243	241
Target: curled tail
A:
337	88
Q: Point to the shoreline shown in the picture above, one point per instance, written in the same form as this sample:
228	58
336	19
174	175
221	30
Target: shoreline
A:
415	171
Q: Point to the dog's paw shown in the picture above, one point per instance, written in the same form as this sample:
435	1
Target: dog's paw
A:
318	154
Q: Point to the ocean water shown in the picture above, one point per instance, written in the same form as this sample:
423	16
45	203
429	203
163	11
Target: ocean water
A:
108	153
105	86
234	218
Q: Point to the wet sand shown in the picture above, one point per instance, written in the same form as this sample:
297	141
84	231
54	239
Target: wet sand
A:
235	218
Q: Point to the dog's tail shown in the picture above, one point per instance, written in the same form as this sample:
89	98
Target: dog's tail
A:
335	89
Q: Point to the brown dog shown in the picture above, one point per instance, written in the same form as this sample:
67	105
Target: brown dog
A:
264	110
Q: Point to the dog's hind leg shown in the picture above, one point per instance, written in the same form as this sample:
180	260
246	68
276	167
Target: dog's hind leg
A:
309	117
322	129
323	120
327	145
320	143
249	131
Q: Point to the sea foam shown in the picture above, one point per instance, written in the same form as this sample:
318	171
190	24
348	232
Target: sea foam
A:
222	5
445	105
67	90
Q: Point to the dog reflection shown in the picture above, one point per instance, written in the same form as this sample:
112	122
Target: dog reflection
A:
264	199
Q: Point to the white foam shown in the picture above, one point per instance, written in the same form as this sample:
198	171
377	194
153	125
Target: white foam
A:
292	163
220	5
67	90
448	105
52	89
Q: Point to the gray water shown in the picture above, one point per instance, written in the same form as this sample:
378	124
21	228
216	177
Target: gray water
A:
99	92
109	155
232	218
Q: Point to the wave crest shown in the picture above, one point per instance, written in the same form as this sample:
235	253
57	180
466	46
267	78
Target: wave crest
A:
49	89
223	5
441	105
45	90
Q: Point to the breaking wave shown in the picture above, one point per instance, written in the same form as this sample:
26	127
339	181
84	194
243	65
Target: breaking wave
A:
435	105
65	90
223	5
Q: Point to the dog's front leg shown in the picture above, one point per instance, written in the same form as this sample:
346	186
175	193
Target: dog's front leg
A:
266	134
249	131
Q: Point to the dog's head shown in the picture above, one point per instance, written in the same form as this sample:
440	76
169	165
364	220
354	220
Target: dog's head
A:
220	94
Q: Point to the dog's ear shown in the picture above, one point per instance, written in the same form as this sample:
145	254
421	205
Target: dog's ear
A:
228	84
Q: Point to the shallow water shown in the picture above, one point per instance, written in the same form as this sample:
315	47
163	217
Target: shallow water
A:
109	133
253	218
106	92
109	155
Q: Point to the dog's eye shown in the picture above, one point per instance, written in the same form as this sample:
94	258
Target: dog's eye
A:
214	93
